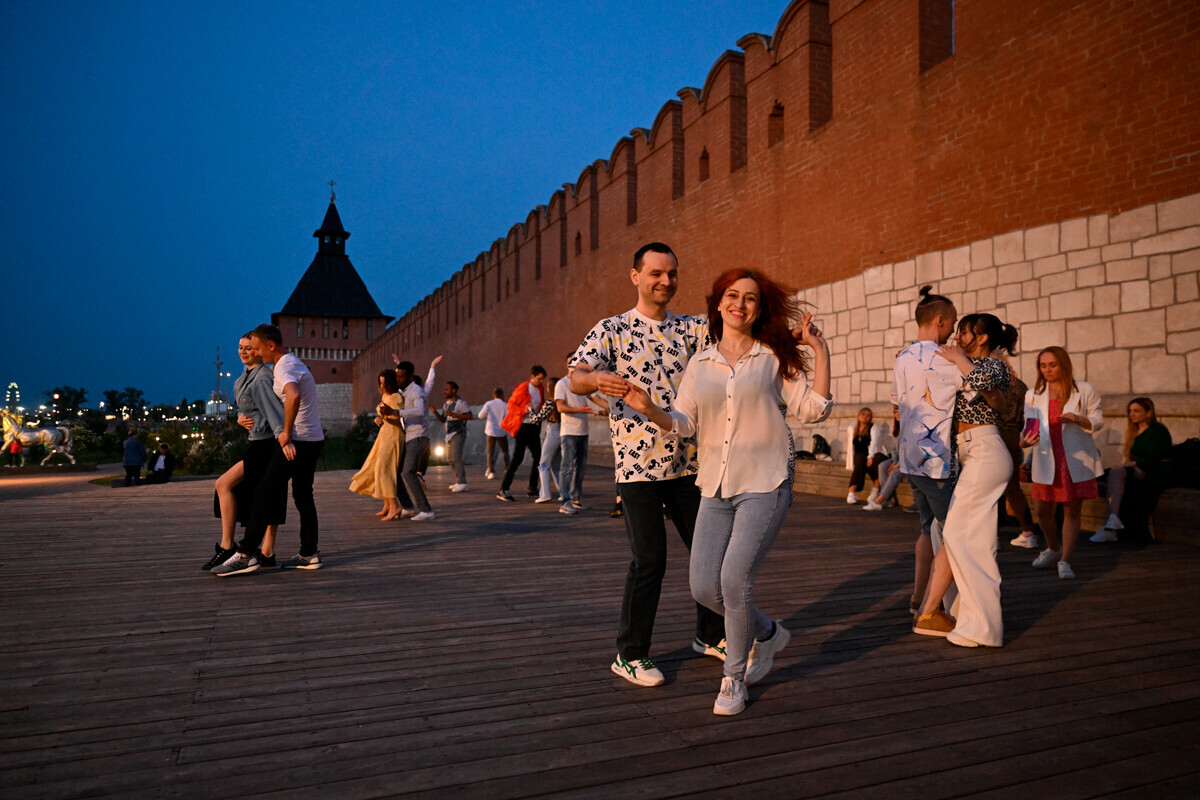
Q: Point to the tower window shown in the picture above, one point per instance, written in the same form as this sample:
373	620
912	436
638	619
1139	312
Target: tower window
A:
326	240
775	126
369	326
704	165
578	243
300	328
325	328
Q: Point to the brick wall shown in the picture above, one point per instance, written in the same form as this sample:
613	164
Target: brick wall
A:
892	152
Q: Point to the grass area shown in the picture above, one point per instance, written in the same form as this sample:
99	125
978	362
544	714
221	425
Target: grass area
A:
334	457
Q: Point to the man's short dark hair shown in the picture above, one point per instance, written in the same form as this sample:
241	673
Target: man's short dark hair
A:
653	247
406	366
537	369
268	333
453	386
499	393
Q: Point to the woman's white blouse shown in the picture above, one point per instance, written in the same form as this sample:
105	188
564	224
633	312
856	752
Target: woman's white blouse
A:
737	418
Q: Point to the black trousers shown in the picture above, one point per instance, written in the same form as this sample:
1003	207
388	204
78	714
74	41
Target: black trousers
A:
528	438
300	471
643	503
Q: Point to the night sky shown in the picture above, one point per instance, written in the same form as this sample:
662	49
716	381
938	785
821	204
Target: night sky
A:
167	163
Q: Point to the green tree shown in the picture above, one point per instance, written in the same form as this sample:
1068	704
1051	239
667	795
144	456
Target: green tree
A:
66	400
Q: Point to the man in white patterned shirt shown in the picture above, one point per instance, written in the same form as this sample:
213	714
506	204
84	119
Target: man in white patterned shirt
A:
649	346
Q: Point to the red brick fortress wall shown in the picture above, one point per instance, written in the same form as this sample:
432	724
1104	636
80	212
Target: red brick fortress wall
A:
857	133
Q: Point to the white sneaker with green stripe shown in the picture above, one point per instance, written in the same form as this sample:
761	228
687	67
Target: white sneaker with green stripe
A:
640	671
714	650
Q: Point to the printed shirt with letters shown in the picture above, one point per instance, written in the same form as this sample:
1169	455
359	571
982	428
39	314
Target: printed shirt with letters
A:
654	355
924	388
744	440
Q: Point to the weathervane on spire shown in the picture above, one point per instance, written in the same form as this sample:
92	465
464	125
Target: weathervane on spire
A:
332	194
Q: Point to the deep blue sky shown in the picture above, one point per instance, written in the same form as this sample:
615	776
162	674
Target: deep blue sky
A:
166	163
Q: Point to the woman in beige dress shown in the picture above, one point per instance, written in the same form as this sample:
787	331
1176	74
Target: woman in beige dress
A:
377	478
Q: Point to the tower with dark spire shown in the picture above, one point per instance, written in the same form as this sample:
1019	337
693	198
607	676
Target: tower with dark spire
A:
330	318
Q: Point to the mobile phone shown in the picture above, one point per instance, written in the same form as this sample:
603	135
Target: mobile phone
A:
1031	428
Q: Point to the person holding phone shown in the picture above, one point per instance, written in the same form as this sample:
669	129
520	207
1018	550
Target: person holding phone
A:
1066	461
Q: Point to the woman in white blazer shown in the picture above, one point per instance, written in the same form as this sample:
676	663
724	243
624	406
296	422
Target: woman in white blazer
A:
1066	461
865	448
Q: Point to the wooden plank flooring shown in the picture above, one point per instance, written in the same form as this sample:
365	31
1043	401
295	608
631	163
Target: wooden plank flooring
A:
468	657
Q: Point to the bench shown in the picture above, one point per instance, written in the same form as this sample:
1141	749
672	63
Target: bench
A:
1174	519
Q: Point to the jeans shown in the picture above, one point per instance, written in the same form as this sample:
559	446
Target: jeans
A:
279	470
887	489
413	450
969	533
643	503
733	537
932	496
550	462
494	442
574	464
528	438
455	446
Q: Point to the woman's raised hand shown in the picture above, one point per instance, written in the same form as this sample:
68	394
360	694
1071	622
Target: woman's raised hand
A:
637	399
808	333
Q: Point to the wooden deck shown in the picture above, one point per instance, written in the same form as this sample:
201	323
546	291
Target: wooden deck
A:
468	657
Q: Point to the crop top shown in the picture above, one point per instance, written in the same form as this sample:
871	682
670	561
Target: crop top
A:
970	406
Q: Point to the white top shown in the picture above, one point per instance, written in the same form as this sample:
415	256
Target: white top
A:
161	463
924	388
738	418
1083	457
289	369
653	354
493	411
535	404
415	413
572	424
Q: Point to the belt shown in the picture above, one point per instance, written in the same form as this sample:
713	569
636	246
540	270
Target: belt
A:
977	432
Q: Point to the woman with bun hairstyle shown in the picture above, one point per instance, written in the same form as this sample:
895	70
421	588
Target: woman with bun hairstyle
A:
968	556
1061	417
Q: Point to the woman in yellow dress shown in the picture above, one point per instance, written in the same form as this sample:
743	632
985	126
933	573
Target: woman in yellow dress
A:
377	478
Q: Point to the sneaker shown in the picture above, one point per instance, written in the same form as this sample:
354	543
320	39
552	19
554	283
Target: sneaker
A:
910	509
873	497
1026	539
424	516
220	557
762	654
714	650
960	640
458	487
872	506
641	671
505	495
236	564
939	623
543	500
408	512
489	476
1046	558
732	699
266	562
889	503
1114	523
579	505
303	562
1103	535
616	511
1065	572
852	498
566	508
531	493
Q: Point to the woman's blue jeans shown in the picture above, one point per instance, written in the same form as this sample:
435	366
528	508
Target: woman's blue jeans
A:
733	536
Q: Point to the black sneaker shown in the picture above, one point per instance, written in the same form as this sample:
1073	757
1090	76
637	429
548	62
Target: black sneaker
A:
302	562
505	495
531	493
266	562
222	555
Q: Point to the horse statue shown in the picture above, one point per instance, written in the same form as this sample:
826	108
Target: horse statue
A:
55	440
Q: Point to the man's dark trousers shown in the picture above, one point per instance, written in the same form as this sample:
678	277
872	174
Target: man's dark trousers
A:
643	503
528	438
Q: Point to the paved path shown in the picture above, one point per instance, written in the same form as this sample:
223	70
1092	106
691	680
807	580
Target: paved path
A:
468	657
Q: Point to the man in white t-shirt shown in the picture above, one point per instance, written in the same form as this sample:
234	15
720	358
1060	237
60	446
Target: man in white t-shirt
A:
497	438
649	346
300	445
575	411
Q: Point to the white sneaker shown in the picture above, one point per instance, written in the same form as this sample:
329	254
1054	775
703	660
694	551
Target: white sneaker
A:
489	476
732	699
566	508
1114	523
716	651
543	500
1103	535
458	487
1046	558
423	516
873	497
640	671
762	654
1027	540
1065	572
872	506
852	498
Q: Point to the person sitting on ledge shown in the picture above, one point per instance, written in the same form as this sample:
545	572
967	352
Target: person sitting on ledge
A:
161	466
1141	478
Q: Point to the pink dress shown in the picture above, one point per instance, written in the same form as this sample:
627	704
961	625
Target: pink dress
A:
1063	490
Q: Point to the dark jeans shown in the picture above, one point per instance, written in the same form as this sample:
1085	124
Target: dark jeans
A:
643	503
494	442
932	498
133	475
413	492
279	471
528	438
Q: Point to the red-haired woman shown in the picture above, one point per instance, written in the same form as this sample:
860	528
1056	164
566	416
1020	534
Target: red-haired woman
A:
1066	461
730	399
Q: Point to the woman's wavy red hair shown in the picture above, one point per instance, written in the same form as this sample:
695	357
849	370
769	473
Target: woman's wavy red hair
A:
776	312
